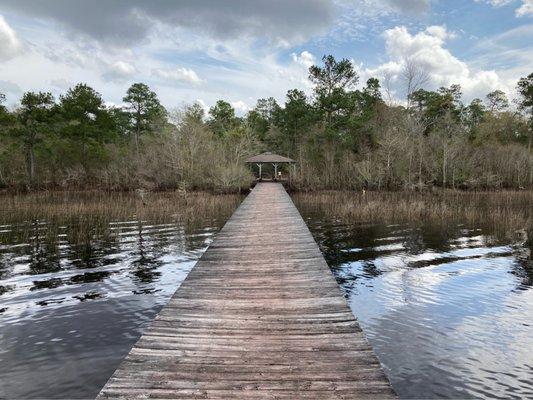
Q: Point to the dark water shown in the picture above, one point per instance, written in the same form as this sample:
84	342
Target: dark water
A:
70	311
448	310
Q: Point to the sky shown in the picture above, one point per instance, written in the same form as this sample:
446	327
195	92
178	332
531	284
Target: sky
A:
241	50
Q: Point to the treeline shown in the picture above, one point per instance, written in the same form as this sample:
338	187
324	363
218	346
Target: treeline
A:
343	137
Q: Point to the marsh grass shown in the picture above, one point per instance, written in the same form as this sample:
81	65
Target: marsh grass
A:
87	215
505	213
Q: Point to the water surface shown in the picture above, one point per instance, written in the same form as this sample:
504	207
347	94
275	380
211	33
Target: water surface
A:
76	292
448	309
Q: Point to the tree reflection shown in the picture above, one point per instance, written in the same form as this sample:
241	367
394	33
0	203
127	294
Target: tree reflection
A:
147	263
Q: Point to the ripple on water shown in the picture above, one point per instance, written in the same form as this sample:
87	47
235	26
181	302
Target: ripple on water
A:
70	310
447	311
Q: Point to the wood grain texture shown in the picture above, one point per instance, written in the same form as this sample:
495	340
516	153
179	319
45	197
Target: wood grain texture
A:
260	316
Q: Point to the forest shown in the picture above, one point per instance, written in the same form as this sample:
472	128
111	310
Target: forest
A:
346	135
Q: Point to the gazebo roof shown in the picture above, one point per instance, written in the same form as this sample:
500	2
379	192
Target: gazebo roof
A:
269	157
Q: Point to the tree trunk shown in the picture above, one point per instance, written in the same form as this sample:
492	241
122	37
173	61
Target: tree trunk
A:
420	162
137	129
530	156
410	167
388	170
444	157
31	164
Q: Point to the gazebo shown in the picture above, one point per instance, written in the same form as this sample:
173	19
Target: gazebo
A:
269	158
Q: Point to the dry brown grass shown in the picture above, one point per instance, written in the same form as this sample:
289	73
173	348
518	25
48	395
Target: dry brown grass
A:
504	212
86	215
115	205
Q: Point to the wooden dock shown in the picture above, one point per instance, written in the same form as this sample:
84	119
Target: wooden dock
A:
260	316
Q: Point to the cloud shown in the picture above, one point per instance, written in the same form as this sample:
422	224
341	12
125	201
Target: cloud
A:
60	83
426	49
10	45
495	3
441	32
177	75
119	71
127	22
10	87
305	58
410	6
240	106
526	9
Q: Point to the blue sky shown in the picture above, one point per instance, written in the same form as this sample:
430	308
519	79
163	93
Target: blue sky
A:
241	50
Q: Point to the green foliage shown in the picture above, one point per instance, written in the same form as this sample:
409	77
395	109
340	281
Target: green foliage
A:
86	125
144	109
434	106
223	118
475	112
85	116
343	136
194	113
35	121
266	113
293	121
333	75
3	109
525	104
334	100
497	101
6	118
525	90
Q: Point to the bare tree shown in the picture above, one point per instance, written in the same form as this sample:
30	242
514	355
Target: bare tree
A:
387	81
414	77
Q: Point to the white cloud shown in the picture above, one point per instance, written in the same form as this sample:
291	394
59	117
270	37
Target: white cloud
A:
441	32
186	75
410	6
175	59
10	45
119	71
240	106
526	9
61	83
9	87
305	58
427	50
495	3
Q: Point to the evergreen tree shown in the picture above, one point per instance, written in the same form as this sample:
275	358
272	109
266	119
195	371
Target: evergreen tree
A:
144	109
35	121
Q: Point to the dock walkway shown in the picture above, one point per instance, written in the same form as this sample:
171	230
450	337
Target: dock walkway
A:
260	316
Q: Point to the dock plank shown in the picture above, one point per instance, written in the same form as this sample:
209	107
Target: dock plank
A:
260	316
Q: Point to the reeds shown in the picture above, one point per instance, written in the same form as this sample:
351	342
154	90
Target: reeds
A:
114	205
87	214
503	212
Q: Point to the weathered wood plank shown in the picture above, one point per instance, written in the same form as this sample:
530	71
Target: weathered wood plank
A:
260	316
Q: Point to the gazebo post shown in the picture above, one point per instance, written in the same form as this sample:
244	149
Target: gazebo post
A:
269	158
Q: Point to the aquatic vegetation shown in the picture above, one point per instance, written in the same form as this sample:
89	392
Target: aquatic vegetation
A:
508	213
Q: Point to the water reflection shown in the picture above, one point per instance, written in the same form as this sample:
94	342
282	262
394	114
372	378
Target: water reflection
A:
76	293
447	309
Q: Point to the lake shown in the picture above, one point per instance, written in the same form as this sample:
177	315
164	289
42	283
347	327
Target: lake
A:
447	307
81	280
